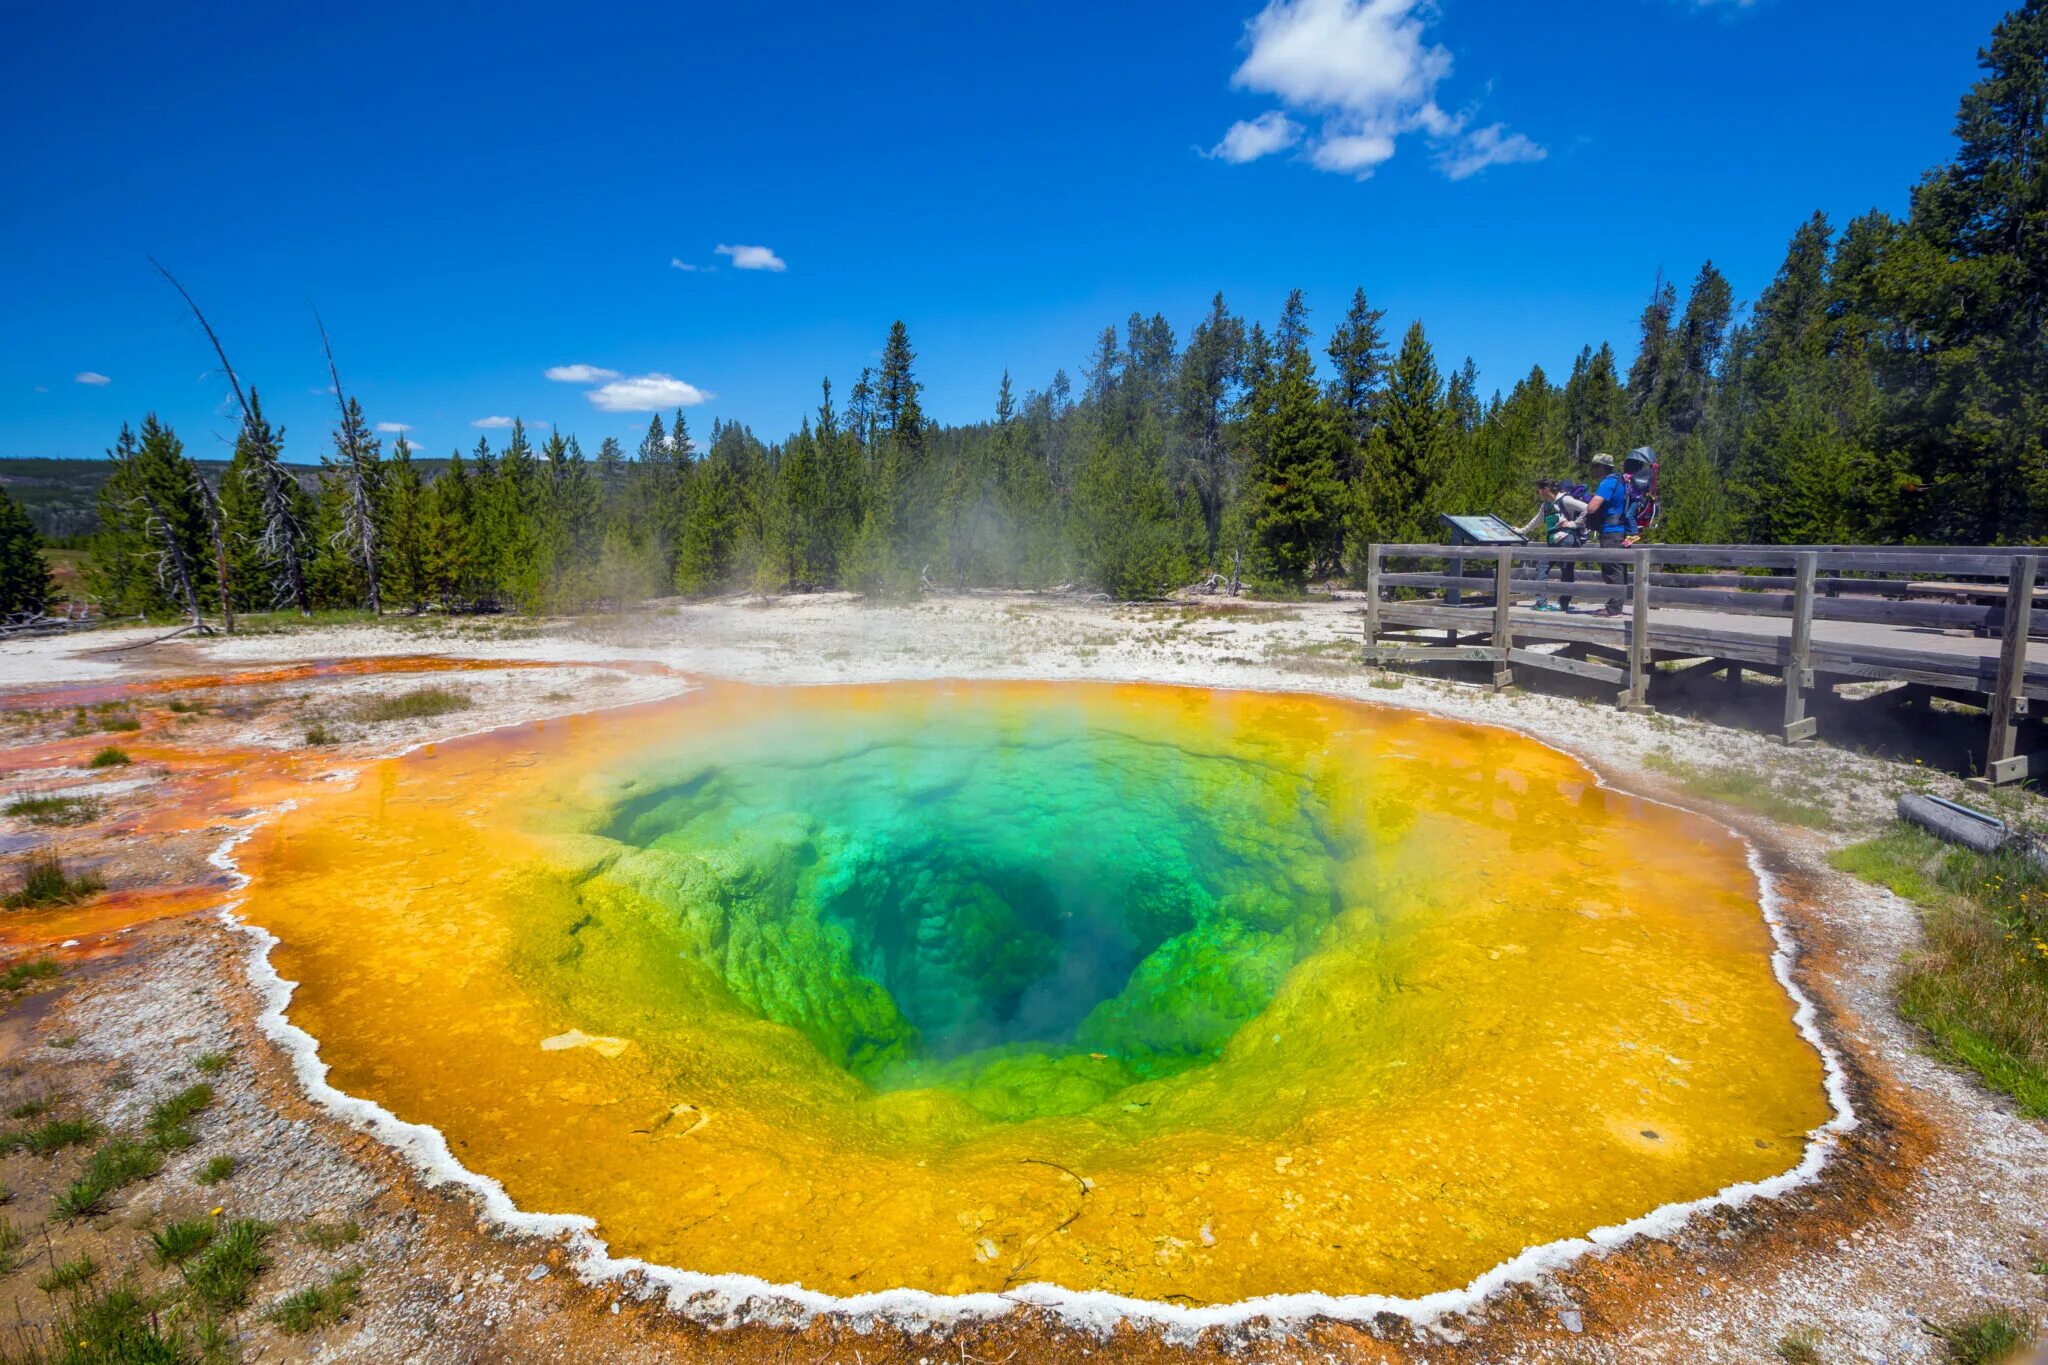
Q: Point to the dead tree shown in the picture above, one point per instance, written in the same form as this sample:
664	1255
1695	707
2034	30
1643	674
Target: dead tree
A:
358	531
172	571
217	529
283	538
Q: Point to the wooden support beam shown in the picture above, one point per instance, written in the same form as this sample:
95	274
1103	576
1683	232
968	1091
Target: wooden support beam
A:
1372	596
1503	618
1561	663
1799	651
2008	703
1637	696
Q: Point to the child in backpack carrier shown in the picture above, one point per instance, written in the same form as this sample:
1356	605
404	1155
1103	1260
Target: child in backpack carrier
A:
1561	518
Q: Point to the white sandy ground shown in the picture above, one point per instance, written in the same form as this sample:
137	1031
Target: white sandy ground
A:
1976	1212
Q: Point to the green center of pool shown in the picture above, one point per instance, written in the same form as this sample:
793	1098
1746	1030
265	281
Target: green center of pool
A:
1033	919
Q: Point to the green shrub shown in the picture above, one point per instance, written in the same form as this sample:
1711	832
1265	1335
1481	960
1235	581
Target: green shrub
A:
169	1120
1985	1338
45	882
215	1170
51	1137
109	757
18	974
212	1063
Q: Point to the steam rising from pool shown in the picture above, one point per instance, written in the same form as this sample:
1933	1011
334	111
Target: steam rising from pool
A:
1179	995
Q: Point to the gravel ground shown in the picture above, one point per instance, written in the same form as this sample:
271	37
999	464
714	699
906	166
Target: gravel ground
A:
1937	1204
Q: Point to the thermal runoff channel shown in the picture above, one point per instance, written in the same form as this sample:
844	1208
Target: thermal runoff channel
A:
1178	994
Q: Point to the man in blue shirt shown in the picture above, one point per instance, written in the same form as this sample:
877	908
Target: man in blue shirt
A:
1608	512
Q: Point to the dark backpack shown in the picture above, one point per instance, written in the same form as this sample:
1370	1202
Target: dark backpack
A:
1639	490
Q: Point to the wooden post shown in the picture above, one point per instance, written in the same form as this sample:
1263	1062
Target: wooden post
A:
1637	697
2003	762
1799	654
1372	601
1503	606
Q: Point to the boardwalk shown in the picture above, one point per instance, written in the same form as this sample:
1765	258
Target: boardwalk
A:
1945	622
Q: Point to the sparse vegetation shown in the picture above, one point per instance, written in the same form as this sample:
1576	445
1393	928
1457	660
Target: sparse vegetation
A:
18	974
50	1137
1801	1346
222	1276
1985	1338
1979	985
68	1275
12	1240
169	1121
91	722
215	1170
179	1242
212	1063
318	735
45	882
56	810
331	1236
421	703
33	1108
109	757
319	1305
118	1163
1747	788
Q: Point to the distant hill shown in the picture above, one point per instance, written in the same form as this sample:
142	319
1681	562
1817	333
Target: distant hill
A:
60	495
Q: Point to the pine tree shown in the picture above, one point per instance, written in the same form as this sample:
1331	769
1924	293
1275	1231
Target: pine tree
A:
1210	371
405	530
1296	498
1406	463
26	589
1358	349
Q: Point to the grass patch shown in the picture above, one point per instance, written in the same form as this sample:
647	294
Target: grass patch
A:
118	1327
12	1240
56	810
179	1242
45	882
331	1236
320	1305
212	1063
1385	683
51	1137
33	1108
320	736
1800	1346
118	1164
18	974
215	1170
422	703
1979	986
221	1278
1747	788
70	1275
1985	1338
169	1120
109	757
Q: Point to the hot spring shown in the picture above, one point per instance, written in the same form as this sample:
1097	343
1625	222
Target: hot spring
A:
1176	994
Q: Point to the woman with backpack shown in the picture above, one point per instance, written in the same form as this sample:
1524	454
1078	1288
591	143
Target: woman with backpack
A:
1562	520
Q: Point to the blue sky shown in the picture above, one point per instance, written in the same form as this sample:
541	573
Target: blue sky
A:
474	195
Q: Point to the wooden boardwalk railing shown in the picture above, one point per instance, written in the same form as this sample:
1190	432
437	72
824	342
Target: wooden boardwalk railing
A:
1955	623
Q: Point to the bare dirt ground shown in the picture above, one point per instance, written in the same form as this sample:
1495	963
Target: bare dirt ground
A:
1936	1205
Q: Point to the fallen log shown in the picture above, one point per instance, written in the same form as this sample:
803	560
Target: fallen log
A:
1959	824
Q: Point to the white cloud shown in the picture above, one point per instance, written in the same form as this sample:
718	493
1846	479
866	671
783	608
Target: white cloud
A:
1367	70
580	374
1489	146
492	423
92	377
680	264
1250	139
646	393
752	257
394	428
